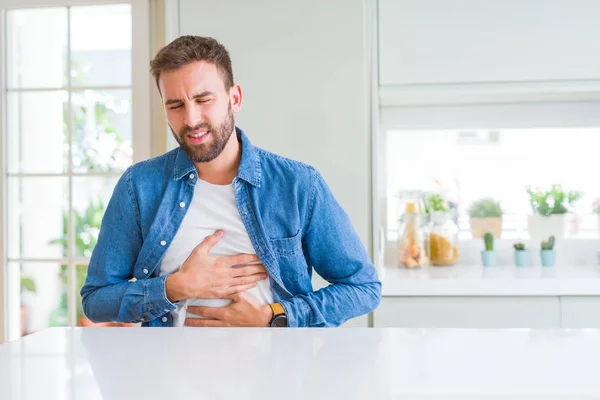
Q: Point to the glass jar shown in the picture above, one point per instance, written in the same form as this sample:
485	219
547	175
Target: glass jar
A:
413	235
443	239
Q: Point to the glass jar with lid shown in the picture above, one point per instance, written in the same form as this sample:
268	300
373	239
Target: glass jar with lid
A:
413	235
443	238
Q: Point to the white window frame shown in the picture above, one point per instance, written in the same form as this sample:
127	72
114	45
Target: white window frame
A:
141	85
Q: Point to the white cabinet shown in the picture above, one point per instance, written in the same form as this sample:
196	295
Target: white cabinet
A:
468	312
480	41
580	311
488	312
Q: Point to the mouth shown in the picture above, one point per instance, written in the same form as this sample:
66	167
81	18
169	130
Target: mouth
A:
198	136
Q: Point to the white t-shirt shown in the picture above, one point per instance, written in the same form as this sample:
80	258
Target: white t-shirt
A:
213	207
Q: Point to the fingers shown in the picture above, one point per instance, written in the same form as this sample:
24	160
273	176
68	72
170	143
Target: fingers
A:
240	259
209	242
199	322
208	312
246	271
244	280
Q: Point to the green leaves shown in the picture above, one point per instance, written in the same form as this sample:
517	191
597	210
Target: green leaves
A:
553	201
435	202
485	208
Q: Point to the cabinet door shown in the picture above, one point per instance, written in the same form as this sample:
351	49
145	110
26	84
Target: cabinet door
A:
469	41
580	311
468	312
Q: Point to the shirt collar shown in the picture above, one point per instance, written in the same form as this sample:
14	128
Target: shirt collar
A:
249	169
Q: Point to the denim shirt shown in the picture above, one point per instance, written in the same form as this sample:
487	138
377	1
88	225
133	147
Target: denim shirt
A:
293	221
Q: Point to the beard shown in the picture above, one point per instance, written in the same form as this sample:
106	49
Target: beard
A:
205	152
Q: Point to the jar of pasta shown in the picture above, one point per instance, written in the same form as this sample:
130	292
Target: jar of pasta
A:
443	239
413	250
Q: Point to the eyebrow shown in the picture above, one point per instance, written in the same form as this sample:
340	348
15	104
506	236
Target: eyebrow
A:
196	96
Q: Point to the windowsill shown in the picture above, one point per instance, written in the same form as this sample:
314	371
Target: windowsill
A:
501	280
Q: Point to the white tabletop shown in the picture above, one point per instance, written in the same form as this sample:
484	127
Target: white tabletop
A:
476	280
360	363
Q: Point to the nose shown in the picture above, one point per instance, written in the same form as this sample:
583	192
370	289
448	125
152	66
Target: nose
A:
193	116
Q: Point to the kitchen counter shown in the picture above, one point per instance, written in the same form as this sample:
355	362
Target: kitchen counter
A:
197	363
476	280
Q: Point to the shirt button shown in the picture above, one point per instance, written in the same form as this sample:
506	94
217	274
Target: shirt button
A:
182	204
145	271
163	243
164	319
192	176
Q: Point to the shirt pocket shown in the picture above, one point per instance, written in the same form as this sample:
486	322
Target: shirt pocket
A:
287	247
292	264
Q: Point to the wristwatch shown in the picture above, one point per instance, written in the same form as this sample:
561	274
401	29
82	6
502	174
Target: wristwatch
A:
279	319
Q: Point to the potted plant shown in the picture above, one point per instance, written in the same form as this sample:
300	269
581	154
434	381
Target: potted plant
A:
549	208
435	202
547	252
27	285
485	215
488	256
522	255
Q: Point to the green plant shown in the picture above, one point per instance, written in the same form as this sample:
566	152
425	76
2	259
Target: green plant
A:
87	226
435	202
27	284
548	244
488	239
485	208
552	201
519	246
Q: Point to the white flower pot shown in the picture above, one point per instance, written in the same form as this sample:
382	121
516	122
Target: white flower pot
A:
541	227
598	222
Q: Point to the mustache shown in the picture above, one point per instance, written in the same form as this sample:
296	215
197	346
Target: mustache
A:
187	129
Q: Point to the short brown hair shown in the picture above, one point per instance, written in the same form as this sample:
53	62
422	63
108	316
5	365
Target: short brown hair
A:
187	49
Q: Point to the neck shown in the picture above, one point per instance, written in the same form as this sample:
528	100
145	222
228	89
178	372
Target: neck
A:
224	168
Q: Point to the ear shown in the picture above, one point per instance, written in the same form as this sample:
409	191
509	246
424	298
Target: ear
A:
235	97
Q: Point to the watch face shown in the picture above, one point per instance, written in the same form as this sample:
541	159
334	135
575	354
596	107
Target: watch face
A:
280	321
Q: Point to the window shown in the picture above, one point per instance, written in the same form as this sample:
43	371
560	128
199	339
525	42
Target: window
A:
68	133
467	153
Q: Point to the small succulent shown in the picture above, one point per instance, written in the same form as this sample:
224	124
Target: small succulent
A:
548	244
488	238
519	246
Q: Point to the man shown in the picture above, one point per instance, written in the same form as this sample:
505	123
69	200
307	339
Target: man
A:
218	232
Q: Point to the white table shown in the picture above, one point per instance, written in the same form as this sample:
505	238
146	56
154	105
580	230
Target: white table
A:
196	363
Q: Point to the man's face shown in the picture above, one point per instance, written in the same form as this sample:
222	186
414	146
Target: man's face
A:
199	109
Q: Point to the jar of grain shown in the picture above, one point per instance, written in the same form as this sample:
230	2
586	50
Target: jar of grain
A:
443	239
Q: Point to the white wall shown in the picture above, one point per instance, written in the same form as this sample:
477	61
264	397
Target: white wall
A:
304	71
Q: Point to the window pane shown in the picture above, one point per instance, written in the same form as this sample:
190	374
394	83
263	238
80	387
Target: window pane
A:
101	130
468	166
91	196
101	45
37	132
43	294
36	211
36	58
